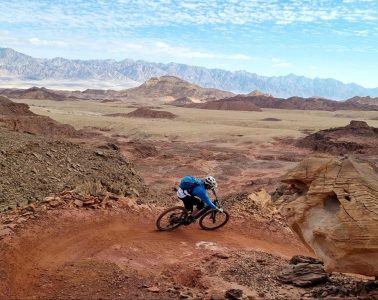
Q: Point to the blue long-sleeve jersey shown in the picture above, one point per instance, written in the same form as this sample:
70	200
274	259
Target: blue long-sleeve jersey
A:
201	192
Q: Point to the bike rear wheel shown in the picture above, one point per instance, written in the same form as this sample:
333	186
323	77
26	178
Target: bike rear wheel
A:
214	219
171	218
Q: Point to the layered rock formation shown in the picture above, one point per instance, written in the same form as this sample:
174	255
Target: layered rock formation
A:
334	211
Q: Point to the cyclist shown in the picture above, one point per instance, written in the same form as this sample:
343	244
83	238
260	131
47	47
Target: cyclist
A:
193	191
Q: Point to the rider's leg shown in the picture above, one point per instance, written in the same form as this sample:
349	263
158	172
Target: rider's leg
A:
188	204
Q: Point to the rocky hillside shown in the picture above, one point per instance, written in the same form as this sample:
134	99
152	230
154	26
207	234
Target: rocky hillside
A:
169	88
18	117
364	100
34	167
357	137
10	108
25	67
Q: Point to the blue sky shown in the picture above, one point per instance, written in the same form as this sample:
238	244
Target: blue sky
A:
337	39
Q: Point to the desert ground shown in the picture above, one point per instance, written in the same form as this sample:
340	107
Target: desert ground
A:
190	125
240	148
116	253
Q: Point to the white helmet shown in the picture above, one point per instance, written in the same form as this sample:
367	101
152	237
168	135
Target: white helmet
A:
210	182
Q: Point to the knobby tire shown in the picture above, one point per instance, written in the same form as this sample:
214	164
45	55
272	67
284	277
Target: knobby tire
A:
171	210
216	227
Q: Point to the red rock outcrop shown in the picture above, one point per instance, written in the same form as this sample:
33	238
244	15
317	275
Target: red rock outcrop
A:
10	108
357	137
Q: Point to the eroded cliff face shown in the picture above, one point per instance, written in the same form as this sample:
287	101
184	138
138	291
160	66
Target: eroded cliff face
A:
334	211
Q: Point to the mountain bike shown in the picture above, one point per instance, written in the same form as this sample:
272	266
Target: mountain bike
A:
177	216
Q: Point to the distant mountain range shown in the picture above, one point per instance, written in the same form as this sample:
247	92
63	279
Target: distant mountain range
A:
21	67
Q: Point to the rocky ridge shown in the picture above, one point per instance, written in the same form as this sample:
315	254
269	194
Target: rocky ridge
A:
364	100
263	101
37	93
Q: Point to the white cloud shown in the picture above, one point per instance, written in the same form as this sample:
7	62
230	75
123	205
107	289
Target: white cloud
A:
280	63
136	13
38	42
184	52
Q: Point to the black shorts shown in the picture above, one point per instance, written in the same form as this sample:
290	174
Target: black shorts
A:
190	201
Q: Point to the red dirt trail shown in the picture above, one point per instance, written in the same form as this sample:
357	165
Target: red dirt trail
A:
42	260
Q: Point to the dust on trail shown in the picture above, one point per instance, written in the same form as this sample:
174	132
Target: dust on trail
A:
31	260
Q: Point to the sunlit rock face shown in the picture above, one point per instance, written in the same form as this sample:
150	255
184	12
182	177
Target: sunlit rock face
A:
334	211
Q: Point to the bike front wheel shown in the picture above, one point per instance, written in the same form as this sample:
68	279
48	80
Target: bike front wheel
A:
214	219
171	218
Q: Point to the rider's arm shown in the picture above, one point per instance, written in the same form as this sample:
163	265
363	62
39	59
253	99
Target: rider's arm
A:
201	193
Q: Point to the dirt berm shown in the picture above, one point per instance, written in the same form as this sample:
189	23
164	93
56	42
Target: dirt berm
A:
33	167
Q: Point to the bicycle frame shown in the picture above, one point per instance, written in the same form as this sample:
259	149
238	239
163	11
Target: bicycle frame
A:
205	210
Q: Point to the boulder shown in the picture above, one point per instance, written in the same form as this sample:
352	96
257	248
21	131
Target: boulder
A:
222	255
234	294
335	212
304	272
78	203
153	289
